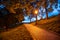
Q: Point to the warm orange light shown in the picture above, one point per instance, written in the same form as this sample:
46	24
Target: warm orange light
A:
36	11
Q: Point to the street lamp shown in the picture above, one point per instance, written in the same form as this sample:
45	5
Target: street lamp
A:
36	12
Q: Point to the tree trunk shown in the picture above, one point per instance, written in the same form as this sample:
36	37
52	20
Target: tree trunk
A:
36	20
30	18
46	14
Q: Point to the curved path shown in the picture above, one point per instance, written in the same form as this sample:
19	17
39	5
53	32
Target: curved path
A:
40	34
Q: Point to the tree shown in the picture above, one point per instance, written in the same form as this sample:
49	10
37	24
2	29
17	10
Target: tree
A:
44	5
19	14
29	11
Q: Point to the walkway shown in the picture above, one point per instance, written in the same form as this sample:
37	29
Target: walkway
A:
40	34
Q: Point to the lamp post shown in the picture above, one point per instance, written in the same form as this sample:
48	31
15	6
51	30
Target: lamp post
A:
36	12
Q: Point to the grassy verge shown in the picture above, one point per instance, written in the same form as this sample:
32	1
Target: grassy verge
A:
51	24
18	33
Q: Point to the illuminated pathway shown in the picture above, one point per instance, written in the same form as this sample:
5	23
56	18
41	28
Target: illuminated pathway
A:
40	34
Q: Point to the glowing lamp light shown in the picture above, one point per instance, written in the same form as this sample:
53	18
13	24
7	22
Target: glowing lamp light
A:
36	11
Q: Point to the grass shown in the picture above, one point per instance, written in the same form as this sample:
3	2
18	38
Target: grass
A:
18	33
51	24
